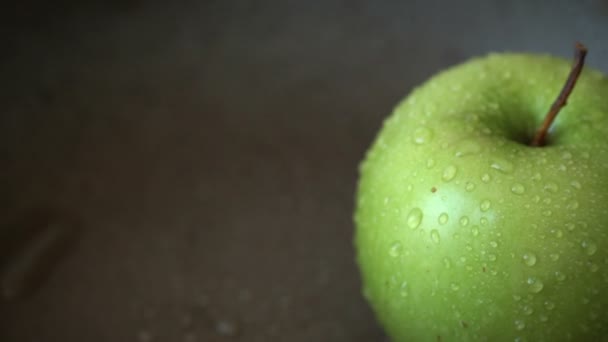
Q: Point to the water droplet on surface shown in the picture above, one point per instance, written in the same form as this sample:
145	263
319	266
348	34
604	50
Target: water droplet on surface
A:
470	186
422	135
547	213
527	310
576	184
447	263
483	221
554	256
435	236
560	276
549	305
475	231
226	328
570	226
454	287
589	247
543	318
516	298
443	218
529	259
486	178
464	221
518	189
395	249
467	147
558	233
430	163
414	218
551	187
535	285
145	336
493	244
491	257
520	325
502	165
485	205
39	243
449	173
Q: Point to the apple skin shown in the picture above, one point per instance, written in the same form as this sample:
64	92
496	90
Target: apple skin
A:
465	232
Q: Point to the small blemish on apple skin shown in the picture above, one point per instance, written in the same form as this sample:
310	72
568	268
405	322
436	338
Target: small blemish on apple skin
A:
464	324
433	189
483	269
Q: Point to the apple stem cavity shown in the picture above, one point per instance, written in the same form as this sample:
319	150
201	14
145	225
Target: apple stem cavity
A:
580	52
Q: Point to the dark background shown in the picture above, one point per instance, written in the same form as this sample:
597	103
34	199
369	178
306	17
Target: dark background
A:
206	153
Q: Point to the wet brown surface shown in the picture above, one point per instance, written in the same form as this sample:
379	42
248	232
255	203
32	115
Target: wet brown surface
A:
208	152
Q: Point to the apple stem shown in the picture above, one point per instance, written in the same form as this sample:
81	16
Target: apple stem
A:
580	51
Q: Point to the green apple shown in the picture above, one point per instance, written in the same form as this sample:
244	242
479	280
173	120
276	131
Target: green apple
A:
464	231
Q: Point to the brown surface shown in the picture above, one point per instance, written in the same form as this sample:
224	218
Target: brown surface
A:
210	151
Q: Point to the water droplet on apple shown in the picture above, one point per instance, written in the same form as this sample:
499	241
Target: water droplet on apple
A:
494	244
560	276
520	325
430	163
449	173
549	305
593	267
443	218
467	147
554	256
518	189
414	218
483	221
454	287
395	249
547	212
492	257
576	184
470	186
447	263
572	205
422	135
502	165
486	178
529	259
570	226
535	285
464	221
558	233
589	247
527	310
485	205
543	318
435	236
516	298
475	231
536	199
403	289
551	187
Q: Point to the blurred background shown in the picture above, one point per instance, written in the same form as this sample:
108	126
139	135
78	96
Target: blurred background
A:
185	171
